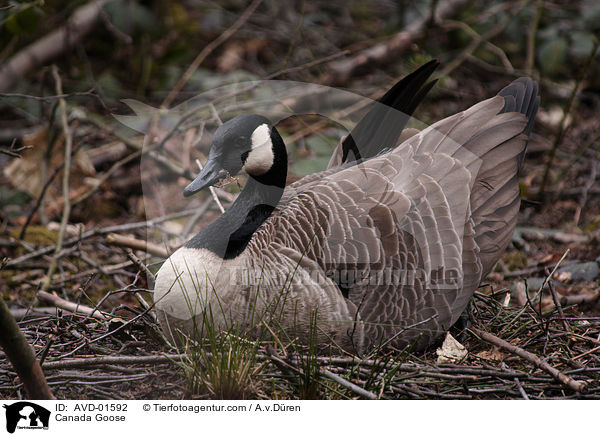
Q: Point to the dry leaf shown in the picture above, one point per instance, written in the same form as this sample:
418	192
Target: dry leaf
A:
494	354
25	174
451	351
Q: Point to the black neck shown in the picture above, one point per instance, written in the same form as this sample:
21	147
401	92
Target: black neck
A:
229	234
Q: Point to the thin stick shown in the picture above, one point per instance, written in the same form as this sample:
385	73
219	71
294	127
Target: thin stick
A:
546	280
521	390
477	37
348	385
65	181
210	47
593	350
136	244
541	363
212	191
558	306
111	360
99	232
476	42
131	255
54	300
142	267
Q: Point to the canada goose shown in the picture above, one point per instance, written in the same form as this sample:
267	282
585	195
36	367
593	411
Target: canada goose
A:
386	246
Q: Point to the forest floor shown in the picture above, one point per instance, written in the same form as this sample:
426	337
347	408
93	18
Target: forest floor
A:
81	293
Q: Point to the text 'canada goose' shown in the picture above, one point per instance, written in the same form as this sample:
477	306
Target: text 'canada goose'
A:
386	246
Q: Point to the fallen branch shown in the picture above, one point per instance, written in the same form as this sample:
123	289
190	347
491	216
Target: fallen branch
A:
341	70
21	313
21	356
136	244
13	263
51	45
55	300
579	299
88	362
541	363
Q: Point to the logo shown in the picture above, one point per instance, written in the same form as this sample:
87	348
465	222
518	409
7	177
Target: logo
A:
26	415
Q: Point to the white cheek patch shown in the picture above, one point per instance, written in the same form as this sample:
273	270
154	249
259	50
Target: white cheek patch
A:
260	158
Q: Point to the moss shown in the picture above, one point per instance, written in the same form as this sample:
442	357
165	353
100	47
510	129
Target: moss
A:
101	208
516	260
36	235
593	226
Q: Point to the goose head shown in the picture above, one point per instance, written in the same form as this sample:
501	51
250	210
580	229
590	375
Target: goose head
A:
246	143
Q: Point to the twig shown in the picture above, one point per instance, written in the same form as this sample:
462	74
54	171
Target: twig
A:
65	181
579	299
521	390
482	40
545	282
286	367
111	360
210	47
593	350
541	363
102	269
54	300
83	274
307	65
476	42
98	232
136	244
12	151
558	306
20	313
348	385
139	263
48	97
212	191
189	225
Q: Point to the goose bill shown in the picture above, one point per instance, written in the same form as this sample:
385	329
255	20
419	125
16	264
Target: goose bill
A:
210	174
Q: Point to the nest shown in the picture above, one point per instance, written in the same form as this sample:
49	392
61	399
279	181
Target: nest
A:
124	357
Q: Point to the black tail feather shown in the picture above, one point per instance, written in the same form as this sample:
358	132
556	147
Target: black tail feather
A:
383	124
522	96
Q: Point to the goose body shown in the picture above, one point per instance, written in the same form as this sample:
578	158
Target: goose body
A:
386	246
